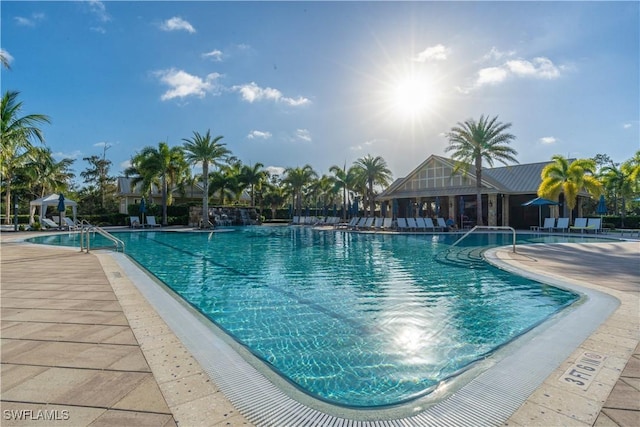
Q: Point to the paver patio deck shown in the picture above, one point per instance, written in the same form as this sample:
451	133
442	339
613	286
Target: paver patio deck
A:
79	341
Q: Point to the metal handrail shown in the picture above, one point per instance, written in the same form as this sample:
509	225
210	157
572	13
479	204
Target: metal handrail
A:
102	232
489	227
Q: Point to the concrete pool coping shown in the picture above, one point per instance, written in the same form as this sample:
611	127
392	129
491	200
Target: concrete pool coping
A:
261	408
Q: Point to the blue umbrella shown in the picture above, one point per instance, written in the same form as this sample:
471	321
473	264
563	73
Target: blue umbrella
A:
395	208
461	209
539	202
420	210
383	209
437	206
335	209
61	206
355	207
601	209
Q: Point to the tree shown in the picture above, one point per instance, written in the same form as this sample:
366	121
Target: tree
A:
569	179
98	179
208	151
253	176
297	179
45	174
474	142
620	181
16	133
374	171
343	179
164	164
275	197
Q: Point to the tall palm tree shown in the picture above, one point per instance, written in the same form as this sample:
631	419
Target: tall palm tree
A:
474	142
275	197
253	176
16	133
297	179
222	183
208	151
620	182
344	180
374	171
560	176
45	174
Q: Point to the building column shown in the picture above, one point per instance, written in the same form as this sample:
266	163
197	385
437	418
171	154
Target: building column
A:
492	215
505	210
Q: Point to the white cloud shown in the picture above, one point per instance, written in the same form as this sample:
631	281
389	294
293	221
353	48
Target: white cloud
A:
258	134
59	155
303	134
251	93
433	53
275	170
548	140
215	55
177	24
99	10
32	21
495	54
363	146
538	68
627	126
183	84
125	165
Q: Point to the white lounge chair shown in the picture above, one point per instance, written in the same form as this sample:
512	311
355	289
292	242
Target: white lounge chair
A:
50	224
387	223
429	226
402	224
594	224
442	224
579	224
563	224
134	222
413	225
420	224
377	224
549	224
70	224
151	221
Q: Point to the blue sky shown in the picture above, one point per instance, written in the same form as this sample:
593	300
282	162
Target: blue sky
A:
324	83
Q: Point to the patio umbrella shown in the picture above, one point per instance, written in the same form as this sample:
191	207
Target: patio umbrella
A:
420	210
601	209
335	210
461	209
61	207
383	210
539	202
395	208
437	206
143	209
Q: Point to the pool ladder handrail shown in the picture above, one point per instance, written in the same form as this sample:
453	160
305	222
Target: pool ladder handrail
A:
95	229
489	227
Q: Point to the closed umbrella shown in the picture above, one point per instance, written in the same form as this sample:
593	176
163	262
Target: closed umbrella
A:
335	210
61	207
539	202
601	209
383	210
461	209
143	209
437	206
395	209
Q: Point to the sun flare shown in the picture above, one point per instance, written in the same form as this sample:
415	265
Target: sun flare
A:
413	96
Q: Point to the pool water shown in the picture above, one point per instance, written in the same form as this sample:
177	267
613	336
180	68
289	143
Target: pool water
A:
359	320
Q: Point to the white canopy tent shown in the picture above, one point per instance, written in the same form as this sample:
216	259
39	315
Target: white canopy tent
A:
51	200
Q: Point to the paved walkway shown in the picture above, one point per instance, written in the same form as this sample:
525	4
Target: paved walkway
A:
81	346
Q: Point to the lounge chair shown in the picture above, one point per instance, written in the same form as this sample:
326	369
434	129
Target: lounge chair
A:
134	222
429	225
549	224
70	224
402	224
442	224
296	220
579	224
377	224
50	224
594	224
420	224
563	224
387	223
151	221
413	225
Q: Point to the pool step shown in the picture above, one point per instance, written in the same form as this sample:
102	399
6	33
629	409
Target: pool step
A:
462	257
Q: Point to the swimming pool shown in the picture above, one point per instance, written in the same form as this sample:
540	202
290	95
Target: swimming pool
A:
354	319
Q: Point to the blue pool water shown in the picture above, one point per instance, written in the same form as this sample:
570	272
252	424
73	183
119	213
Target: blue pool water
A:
360	320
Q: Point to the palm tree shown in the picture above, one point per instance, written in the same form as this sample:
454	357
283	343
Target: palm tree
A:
253	176
275	197
297	179
568	178
45	174
374	171
221	182
475	142
208	151
344	180
620	182
16	133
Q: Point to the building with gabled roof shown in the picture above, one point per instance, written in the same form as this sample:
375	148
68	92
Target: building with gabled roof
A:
432	189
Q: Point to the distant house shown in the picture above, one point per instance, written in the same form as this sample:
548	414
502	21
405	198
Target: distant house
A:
432	189
128	194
